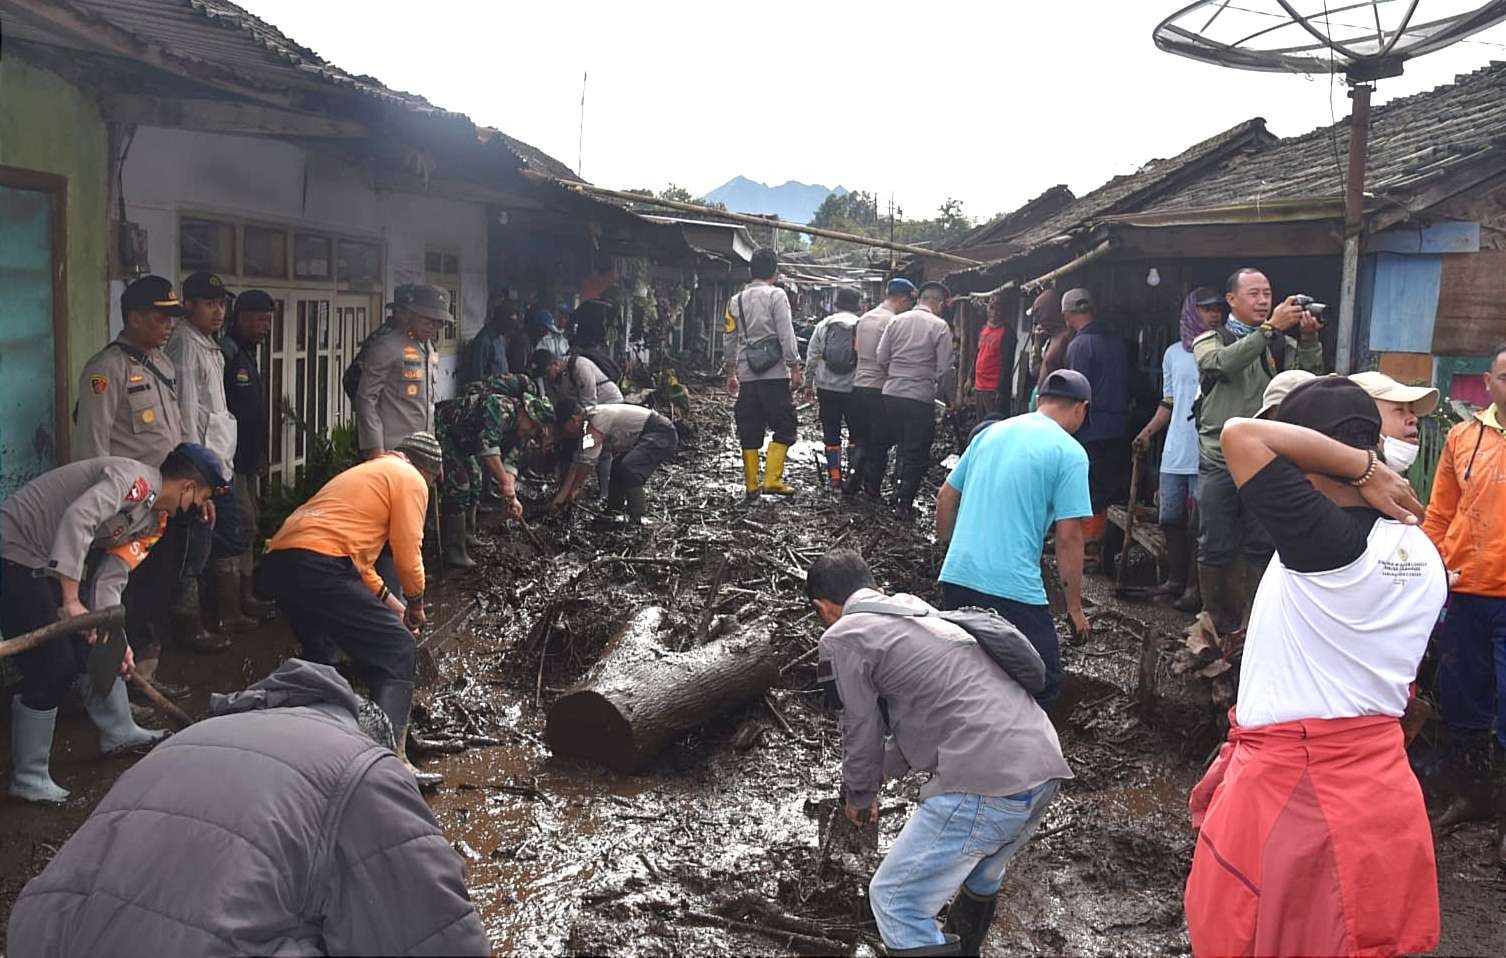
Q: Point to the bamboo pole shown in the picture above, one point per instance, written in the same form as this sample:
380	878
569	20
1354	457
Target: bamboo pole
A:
1102	249
749	220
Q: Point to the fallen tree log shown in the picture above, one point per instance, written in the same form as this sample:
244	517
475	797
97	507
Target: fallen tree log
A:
639	697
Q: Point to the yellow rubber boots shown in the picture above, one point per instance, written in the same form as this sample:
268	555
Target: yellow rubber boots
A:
773	477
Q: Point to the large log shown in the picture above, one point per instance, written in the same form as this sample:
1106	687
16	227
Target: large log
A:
639	697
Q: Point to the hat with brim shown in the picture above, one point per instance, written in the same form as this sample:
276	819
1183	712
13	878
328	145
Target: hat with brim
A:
152	293
1422	400
1279	386
430	302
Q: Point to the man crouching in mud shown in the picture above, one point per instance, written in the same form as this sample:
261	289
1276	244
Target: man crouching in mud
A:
917	692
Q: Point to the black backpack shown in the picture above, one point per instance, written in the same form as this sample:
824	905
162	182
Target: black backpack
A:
839	350
603	362
996	635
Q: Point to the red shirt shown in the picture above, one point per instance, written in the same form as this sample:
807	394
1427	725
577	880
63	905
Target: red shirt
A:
990	359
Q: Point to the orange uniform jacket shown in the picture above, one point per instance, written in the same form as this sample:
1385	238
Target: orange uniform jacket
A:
1467	512
357	512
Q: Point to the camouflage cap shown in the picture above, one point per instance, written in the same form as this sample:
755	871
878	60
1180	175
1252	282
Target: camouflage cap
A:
538	408
430	302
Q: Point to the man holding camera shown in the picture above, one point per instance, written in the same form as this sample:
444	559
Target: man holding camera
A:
1236	362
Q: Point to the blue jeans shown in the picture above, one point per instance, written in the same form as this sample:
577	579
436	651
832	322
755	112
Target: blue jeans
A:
954	839
1176	490
1472	664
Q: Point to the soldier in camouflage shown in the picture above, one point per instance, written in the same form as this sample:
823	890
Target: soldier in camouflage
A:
487	425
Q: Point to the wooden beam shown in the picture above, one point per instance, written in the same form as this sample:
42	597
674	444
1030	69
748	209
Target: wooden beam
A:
225	116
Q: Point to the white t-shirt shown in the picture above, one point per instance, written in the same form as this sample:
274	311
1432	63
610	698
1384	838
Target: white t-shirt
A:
1345	642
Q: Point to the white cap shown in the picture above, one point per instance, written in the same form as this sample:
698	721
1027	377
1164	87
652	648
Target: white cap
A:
1280	385
1422	399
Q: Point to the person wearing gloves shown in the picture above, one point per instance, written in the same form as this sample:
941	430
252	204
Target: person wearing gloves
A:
69	540
321	569
281	825
831	360
763	369
195	351
917	692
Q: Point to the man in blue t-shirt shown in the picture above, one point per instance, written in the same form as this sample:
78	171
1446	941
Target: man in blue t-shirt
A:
1016	479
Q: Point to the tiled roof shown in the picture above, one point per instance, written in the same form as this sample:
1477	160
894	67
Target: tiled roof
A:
1413	140
1002	227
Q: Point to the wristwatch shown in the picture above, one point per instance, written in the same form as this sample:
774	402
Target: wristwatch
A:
1267	328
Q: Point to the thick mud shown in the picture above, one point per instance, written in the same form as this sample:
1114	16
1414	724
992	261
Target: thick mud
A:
730	841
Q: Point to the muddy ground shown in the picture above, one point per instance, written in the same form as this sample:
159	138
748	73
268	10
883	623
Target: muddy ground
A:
722	844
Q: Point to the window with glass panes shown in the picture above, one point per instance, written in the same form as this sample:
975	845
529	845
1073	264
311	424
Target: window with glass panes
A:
442	269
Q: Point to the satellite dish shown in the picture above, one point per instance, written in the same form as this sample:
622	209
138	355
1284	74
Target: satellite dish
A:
1365	40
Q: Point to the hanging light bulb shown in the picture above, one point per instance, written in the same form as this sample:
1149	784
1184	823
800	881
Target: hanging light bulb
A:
1153	278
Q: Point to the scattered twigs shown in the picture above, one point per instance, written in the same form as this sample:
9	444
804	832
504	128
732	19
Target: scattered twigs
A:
704	626
791	939
783	723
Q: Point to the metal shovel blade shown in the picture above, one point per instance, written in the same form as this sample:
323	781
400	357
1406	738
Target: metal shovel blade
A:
104	661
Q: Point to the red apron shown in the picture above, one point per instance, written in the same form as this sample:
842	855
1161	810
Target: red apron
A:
1313	840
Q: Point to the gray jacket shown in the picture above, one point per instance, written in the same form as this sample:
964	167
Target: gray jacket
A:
583	381
201	390
950	710
815	363
761	310
395	398
915	351
275	827
871	326
55	520
125	409
620	424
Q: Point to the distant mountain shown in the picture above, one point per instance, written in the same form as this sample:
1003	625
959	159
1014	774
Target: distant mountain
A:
793	202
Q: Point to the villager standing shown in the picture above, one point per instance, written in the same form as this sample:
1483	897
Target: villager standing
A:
399	369
1098	353
69	540
639	441
128	406
281	825
1050	337
195	352
831	362
1466	520
1017	480
486	354
915	353
544	334
250	323
995	360
1237	361
321	568
1400	407
763	367
1313	838
895	668
1202	310
867	400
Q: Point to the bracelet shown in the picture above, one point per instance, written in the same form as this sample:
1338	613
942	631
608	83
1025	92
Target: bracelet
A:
382	595
1267	328
1374	460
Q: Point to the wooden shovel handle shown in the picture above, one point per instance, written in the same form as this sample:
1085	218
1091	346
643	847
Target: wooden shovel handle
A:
98	619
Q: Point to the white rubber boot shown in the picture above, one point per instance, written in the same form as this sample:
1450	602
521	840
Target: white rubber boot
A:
31	754
118	730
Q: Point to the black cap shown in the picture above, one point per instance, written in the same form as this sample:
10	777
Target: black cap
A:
152	292
204	286
1207	296
1335	407
1069	384
255	301
848	298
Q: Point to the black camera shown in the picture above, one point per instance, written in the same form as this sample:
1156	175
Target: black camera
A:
1312	306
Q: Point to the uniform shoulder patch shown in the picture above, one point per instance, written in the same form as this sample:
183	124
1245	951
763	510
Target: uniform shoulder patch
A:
139	490
729	322
98	384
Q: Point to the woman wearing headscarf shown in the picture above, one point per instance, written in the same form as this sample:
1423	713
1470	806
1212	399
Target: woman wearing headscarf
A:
1201	311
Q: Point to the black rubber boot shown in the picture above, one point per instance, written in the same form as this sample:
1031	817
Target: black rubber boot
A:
949	948
1469	767
854	478
970	918
636	506
396	699
188	622
1176	563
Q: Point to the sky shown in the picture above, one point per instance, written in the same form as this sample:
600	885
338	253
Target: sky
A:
987	103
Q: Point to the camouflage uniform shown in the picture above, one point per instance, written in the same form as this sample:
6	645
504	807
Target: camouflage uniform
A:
479	422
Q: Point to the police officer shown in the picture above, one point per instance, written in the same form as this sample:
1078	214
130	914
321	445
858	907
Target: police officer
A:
69	540
128	406
195	350
250	321
399	367
487	425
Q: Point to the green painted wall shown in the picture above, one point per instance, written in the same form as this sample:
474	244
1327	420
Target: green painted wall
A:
50	126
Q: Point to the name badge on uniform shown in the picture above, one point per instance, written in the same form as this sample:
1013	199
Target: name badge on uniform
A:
410	352
412	372
135	378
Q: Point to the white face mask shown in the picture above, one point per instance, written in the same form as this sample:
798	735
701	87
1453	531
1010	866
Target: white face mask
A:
1399	453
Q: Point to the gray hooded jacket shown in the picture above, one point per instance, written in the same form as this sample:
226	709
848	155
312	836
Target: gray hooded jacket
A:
275	827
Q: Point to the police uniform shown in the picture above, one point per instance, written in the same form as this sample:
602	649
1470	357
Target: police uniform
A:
128	405
399	374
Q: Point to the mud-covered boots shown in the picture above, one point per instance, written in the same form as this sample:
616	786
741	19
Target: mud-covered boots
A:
227	600
1176	563
854	480
452	534
751	488
950	947
258	609
1215	583
396	699
637	505
1469	768
969	918
472	529
111	714
188	621
31	754
773	473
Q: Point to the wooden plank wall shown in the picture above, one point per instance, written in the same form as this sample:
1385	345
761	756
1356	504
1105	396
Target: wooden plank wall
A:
1471	317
